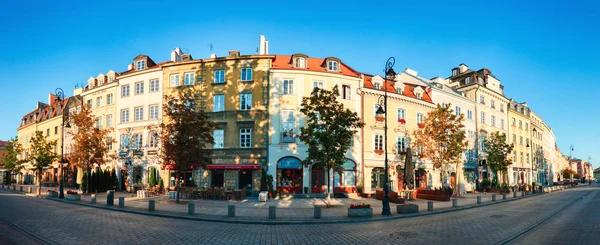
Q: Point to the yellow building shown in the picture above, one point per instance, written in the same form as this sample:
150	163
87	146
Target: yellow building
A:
233	91
519	132
407	106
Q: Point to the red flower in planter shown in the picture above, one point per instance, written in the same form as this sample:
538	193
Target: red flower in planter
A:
70	192
379	118
378	151
402	121
421	125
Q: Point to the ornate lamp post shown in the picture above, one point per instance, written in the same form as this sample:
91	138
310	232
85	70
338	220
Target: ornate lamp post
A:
60	96
382	102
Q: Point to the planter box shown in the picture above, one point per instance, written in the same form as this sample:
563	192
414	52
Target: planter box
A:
360	212
73	197
392	195
433	195
407	209
51	194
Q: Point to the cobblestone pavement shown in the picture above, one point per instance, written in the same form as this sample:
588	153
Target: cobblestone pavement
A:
73	224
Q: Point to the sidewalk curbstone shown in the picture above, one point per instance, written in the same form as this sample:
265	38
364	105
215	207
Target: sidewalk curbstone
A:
191	208
272	212
231	210
478	199
151	205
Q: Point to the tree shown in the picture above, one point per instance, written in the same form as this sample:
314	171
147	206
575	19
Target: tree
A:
498	152
10	159
90	144
42	154
442	138
186	134
329	130
152	177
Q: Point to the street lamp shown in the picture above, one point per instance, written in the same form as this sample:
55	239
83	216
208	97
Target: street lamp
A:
570	159
60	96
382	103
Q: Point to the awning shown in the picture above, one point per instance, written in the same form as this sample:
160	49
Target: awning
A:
233	166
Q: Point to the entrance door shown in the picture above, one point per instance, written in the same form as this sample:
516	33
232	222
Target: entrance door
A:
245	177
453	180
318	181
217	178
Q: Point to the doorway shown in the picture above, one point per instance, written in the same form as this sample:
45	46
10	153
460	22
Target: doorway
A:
217	178
245	179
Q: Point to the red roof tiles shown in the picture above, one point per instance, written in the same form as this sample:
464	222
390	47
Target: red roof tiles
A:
312	64
408	89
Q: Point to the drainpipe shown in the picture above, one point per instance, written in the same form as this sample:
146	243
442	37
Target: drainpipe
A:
476	141
362	135
267	119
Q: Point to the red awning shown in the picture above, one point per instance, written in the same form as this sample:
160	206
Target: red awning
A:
233	166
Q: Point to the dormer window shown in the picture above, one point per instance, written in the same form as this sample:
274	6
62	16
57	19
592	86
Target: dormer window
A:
100	81
419	96
399	90
300	62
467	80
141	65
333	65
377	85
111	79
454	71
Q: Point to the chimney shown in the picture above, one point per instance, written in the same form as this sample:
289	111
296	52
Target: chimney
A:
130	67
411	72
263	45
213	56
463	67
176	55
77	91
266	47
186	57
51	99
234	53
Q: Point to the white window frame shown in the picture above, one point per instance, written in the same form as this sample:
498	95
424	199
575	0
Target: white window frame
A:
138	142
377	85
219	76
153	140
346	91
482	117
482	99
245	138
174	80
419	117
124	115
318	83
300	62
219	138
501	123
467	80
401	113
377	142
188	78
109	99
244	76
457	110
109	120
153	112
125	92
99	122
154	85
470	114
288	125
245	105
98	101
141	65
218	102
138	113
400	144
493	120
333	65
139	88
288	87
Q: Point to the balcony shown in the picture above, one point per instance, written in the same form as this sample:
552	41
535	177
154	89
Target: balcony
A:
288	136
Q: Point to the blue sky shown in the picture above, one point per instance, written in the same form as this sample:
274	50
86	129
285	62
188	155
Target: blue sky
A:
545	54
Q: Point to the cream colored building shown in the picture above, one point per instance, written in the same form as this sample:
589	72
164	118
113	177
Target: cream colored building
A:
292	78
519	131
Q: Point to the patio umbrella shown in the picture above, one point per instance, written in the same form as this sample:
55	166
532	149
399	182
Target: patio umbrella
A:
409	175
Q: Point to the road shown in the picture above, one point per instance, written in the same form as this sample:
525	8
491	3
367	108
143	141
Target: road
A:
569	219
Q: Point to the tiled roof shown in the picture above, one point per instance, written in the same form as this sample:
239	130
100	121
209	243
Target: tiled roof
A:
134	70
44	115
313	64
3	143
408	89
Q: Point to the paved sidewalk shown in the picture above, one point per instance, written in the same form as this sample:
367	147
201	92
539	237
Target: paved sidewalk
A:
288	209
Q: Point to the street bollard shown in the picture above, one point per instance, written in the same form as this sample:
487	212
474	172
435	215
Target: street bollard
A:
272	212
478	199
191	208
121	202
493	197
514	194
429	205
151	205
231	210
317	212
455	203
110	198
20	188
93	198
504	196
522	193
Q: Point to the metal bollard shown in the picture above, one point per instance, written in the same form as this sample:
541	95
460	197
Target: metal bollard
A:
272	212
151	205
317	213
522	193
110	198
429	205
14	187
231	210
455	203
93	198
478	199
493	197
191	208
514	194
20	188
504	196
121	202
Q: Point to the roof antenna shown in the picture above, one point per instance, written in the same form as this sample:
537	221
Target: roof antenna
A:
210	45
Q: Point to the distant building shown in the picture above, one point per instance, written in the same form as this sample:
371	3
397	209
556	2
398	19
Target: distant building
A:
3	172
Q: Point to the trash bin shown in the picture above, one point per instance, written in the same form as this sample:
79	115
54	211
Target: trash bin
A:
110	197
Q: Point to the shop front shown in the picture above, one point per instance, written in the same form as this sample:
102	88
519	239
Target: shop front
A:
289	175
346	181
232	176
421	179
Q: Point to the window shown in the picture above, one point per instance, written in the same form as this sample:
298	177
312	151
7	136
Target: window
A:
300	62
526	141
526	126
98	101
527	155
515	156
124	141
111	79
401	114
153	111
467	80
482	143
482	100
246	74
288	86
333	66
55	131
520	124
153	140
245	101
47	132
513	121
218	103
521	158
493	119
418	95
109	143
377	85
346	92
109	99
141	65
219	76
99	122
139	88
124	90
219	137
520	140
318	84
501	108
419	118
138	142
492	104
124	115
174	80
399	91
400	145
483	117
378	144
109	120
443	105
454	72
502	123
458	111
154	85
139	114
470	114
188	78
514	139
89	102
245	138
287	125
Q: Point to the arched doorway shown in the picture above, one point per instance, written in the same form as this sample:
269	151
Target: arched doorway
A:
289	175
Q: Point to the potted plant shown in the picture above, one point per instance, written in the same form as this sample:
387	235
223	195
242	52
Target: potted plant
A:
73	195
359	189
407	208
379	118
360	210
402	121
51	193
379	151
421	125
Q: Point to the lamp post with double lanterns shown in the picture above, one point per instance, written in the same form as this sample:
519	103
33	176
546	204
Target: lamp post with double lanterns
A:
60	96
382	103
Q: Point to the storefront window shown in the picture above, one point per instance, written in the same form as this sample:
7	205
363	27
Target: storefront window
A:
377	178
289	175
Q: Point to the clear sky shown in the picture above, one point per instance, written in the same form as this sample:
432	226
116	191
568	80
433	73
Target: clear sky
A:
545	53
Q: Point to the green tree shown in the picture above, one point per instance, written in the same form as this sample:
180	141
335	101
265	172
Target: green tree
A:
152	177
186	134
10	159
498	154
442	139
42	154
329	130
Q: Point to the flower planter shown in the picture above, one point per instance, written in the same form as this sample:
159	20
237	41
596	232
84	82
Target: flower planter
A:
379	152
51	194
407	208
379	119
435	195
360	212
401	121
73	197
421	125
